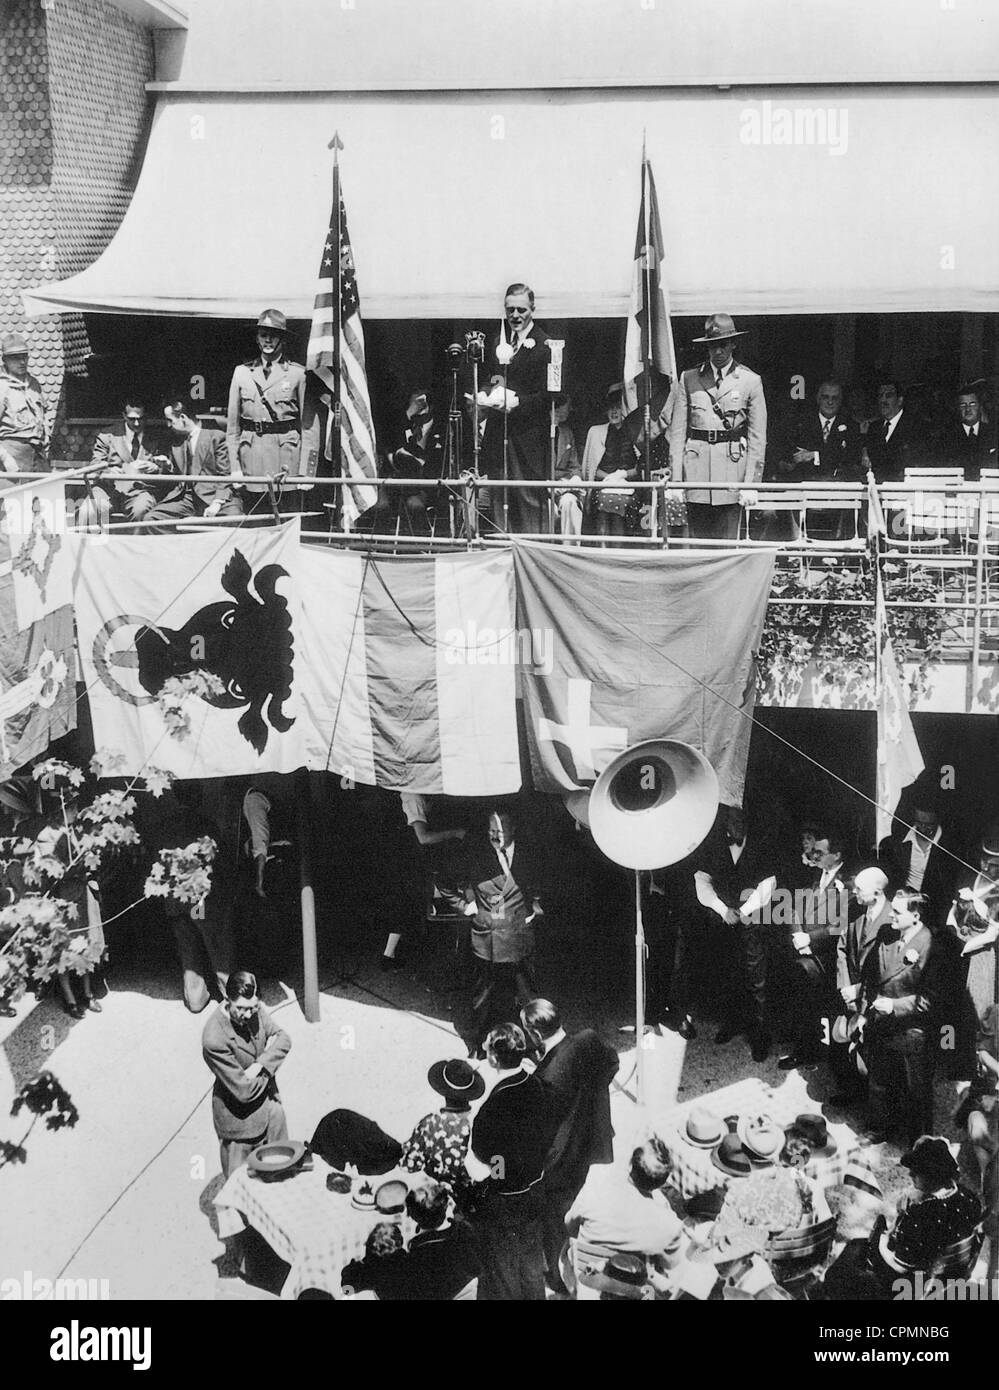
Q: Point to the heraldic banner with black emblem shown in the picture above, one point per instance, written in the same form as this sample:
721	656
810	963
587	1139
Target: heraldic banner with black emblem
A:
190	650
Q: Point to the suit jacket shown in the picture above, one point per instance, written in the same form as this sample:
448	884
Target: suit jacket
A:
823	913
241	1105
441	1263
856	944
112	449
907	448
698	404
577	1073
210	457
733	882
839	456
957	450
503	902
528	425
895	857
902	972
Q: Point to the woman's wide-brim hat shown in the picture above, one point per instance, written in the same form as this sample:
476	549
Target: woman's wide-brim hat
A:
456	1080
719	328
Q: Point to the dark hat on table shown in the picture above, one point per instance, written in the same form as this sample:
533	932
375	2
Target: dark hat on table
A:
14	345
624	1276
456	1080
815	1132
732	1158
718	328
930	1157
274	320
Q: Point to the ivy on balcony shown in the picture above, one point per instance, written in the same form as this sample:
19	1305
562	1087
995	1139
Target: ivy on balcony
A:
835	639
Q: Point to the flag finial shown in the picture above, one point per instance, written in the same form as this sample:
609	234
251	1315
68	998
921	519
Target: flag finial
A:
336	144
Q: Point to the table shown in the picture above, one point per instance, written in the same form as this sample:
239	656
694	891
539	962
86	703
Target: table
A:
313	1230
694	1171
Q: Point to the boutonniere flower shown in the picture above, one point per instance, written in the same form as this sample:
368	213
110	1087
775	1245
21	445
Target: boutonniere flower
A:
841	429
528	343
911	956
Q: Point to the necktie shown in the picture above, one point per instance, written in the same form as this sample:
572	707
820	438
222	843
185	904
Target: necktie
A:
505	862
826	427
267	370
136	445
187	456
718	381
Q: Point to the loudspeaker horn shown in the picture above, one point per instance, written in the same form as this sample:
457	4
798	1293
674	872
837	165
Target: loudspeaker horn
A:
654	804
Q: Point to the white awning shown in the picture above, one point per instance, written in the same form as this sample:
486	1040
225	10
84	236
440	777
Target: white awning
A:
885	204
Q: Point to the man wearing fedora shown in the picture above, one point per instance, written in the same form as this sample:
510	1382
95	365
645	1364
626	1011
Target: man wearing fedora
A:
24	431
718	433
272	427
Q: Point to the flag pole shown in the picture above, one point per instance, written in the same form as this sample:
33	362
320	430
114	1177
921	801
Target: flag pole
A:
647	270
336	145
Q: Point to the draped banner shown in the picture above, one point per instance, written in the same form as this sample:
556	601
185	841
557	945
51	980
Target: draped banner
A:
639	646
412	670
151	609
37	664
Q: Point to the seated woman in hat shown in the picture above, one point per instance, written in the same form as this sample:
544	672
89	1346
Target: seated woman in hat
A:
439	1143
937	1215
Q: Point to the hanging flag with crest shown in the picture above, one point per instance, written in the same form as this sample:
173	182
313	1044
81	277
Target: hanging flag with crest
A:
37	663
661	646
189	646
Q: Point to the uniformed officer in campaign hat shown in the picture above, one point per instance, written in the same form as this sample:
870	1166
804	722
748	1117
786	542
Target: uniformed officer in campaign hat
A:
718	433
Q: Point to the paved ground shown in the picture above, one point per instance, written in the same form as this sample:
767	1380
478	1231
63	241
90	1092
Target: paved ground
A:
126	1195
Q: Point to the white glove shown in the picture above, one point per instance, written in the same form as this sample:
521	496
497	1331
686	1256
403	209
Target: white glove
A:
748	498
469	909
883	1005
849	993
213	509
801	941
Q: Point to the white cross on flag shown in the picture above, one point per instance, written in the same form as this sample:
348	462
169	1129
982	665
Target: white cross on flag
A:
662	647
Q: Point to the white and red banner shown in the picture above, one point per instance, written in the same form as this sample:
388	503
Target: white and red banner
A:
37	663
412	670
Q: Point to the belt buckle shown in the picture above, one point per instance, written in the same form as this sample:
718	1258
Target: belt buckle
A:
712	436
258	428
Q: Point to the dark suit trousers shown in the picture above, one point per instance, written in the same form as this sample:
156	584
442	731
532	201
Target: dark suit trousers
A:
708	522
811	997
509	1235
499	989
900	1068
205	949
744	976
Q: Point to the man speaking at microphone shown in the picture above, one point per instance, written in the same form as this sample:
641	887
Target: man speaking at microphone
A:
517	359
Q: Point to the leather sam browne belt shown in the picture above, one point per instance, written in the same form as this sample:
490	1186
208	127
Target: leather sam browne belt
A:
717	436
271	426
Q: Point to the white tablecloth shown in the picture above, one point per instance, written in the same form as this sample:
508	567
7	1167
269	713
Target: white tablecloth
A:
314	1230
695	1172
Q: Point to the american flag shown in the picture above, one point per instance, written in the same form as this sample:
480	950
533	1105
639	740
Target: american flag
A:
336	342
649	341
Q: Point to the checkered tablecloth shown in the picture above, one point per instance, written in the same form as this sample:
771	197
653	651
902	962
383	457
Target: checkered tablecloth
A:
693	1168
315	1231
